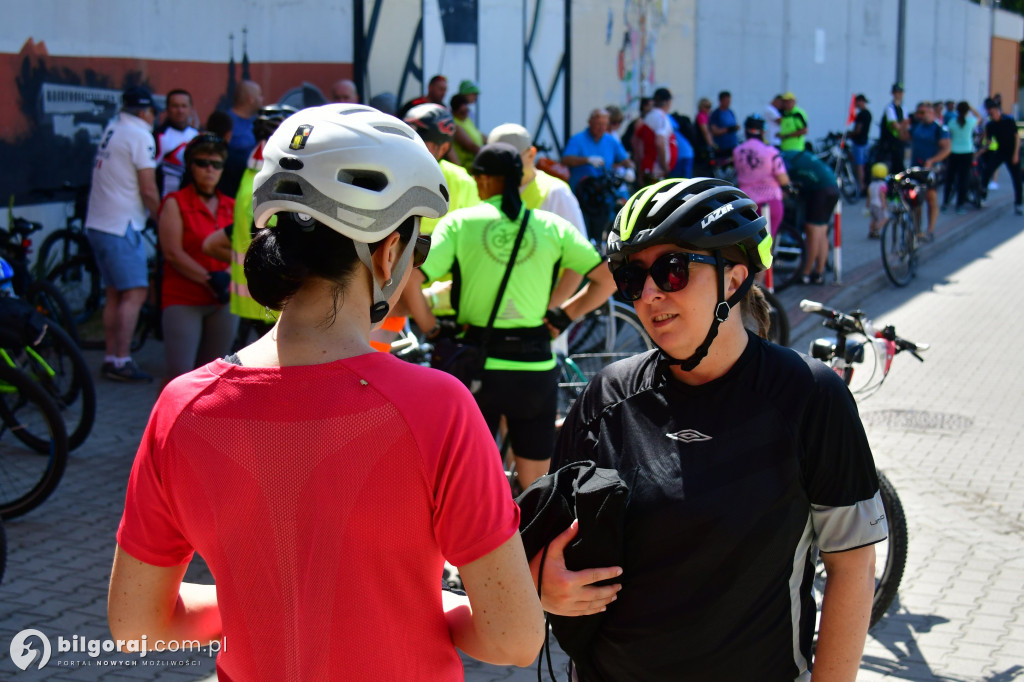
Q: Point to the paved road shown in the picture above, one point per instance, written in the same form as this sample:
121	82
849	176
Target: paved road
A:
956	462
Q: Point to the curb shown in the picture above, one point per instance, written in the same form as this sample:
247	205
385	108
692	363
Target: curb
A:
869	278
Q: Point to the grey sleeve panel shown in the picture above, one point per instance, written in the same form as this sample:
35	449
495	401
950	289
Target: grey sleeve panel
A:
837	529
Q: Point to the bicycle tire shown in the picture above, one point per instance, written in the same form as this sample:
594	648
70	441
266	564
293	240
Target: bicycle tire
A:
47	299
3	551
898	244
849	186
59	247
57	364
778	329
612	328
78	280
887	583
27	478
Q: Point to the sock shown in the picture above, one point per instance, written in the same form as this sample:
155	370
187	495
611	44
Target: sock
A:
112	359
121	362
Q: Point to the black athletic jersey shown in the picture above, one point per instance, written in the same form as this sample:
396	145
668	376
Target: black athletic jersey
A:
734	485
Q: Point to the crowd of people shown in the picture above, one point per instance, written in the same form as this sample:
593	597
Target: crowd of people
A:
304	457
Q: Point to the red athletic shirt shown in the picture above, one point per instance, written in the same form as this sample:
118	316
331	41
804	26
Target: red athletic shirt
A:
324	499
197	223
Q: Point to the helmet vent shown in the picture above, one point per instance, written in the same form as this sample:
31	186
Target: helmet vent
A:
291	163
392	130
374	181
444	192
289	187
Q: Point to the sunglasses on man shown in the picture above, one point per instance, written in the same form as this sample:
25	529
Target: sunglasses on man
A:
670	272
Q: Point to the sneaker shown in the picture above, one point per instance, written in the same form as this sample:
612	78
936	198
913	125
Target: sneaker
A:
799	279
128	373
817	278
992	186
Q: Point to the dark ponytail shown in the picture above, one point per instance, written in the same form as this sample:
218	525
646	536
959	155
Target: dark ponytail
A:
281	259
961	113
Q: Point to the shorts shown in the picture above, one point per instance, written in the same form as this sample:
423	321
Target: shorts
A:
878	214
121	259
820	204
859	152
529	402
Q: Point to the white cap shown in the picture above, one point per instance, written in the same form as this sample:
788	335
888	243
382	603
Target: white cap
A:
513	134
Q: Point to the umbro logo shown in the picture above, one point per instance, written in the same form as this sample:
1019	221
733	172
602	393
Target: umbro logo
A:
688	436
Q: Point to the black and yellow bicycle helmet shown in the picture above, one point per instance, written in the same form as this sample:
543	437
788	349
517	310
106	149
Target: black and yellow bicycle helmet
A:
703	214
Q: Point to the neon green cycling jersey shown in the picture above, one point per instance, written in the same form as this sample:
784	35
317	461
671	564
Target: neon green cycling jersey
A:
461	191
242	303
475	244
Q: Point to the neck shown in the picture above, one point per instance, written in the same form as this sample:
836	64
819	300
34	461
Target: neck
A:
726	349
529	173
206	194
310	331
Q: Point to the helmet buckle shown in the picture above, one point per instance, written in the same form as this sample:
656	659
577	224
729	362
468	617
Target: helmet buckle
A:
722	311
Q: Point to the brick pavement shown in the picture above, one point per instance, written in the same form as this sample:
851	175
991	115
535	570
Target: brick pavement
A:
59	555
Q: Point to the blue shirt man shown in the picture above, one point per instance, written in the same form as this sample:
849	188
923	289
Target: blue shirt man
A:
925	139
724	128
590	151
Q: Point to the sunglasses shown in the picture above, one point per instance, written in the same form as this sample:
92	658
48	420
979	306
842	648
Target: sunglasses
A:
670	272
206	163
420	250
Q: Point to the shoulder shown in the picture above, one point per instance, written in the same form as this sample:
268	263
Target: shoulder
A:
617	383
551	183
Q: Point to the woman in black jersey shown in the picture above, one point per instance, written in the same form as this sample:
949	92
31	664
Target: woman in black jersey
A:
744	460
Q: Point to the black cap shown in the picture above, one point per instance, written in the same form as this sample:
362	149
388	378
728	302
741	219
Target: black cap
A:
662	95
897	87
137	97
991	103
498	158
861	98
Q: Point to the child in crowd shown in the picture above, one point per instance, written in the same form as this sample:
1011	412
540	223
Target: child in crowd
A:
877	199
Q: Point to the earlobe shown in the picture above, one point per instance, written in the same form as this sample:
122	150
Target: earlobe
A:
737	275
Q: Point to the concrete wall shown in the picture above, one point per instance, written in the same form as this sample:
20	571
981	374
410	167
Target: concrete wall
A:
624	50
826	51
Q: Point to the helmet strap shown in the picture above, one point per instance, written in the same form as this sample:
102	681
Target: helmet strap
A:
383	291
722	310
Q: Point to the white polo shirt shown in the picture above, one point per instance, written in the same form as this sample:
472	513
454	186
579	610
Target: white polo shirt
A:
115	203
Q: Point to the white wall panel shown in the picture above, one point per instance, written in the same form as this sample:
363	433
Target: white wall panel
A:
501	63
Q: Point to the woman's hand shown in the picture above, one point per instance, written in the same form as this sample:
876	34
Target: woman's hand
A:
572	593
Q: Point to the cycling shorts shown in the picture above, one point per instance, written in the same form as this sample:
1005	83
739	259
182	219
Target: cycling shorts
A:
528	401
820	204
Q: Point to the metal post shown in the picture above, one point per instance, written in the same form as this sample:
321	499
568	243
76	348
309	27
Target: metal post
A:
901	28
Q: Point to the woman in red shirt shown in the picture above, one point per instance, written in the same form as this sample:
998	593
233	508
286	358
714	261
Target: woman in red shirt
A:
197	322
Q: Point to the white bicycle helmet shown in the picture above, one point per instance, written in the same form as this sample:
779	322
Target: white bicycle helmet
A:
358	171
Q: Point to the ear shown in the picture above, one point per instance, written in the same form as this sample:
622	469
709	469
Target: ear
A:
385	258
734	278
531	154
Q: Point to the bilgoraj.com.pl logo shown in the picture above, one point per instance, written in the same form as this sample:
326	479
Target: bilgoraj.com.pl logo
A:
30	648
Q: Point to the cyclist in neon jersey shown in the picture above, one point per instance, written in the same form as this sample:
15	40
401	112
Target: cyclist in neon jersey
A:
744	460
307	457
520	379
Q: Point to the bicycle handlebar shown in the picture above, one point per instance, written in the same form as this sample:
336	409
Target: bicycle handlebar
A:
853	323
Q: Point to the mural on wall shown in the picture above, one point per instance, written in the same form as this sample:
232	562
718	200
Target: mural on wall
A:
55	108
636	62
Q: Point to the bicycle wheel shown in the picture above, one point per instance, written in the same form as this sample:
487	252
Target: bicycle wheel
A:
47	299
898	244
59	247
56	363
78	280
778	329
848	182
27	411
611	328
889	568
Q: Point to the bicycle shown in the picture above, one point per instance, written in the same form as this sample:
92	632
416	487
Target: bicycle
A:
28	417
47	354
15	246
600	197
856	339
834	150
905	192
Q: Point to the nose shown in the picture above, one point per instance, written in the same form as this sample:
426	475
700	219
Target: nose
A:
651	291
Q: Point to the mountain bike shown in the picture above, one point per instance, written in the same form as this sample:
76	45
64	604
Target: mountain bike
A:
856	346
28	417
15	247
46	353
600	197
834	150
905	192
